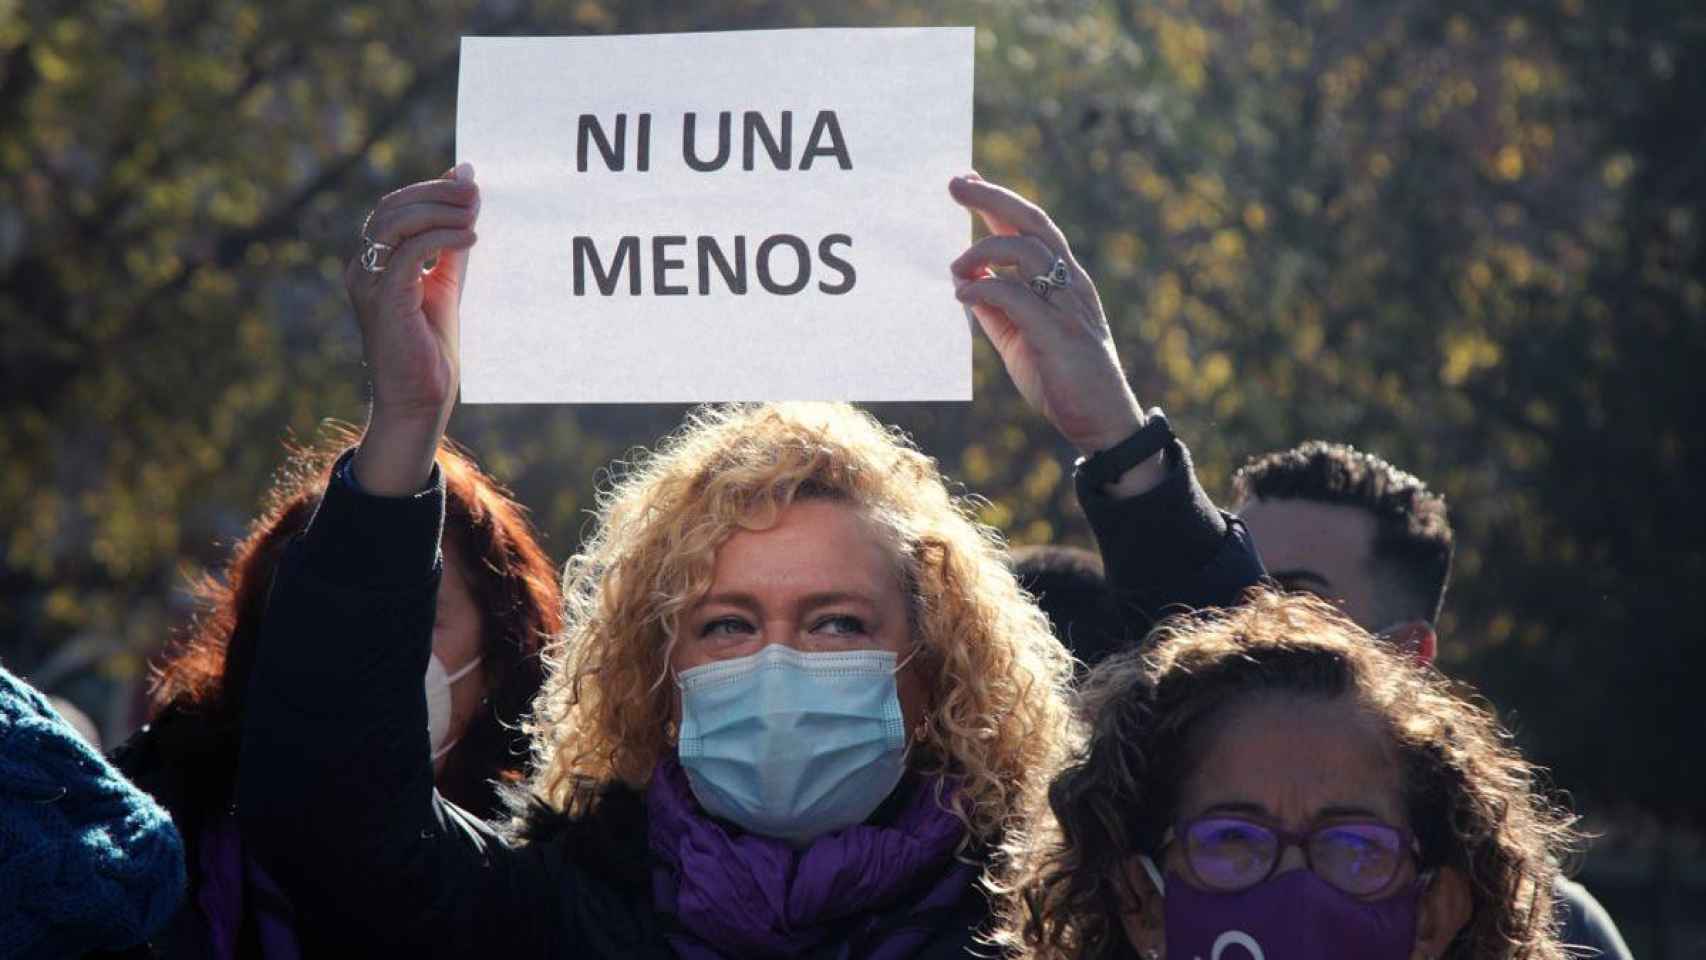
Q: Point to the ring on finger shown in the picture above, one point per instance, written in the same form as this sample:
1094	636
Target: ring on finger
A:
1057	277
375	256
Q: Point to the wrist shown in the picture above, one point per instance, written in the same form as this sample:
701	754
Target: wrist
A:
1108	435
397	451
1121	416
416	415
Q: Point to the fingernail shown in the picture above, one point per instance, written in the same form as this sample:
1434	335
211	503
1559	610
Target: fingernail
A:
464	171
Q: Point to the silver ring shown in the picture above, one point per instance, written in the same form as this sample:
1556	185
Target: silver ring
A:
375	256
1058	277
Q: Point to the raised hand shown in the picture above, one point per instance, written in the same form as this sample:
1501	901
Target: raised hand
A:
409	320
1045	321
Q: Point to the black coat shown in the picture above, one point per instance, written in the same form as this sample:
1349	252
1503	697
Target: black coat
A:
335	783
188	764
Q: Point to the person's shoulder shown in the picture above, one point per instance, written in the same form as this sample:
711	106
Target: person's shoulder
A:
602	862
1586	922
534	820
109	864
186	761
19	700
609	839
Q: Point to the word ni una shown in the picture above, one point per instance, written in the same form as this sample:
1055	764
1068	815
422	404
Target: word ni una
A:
777	143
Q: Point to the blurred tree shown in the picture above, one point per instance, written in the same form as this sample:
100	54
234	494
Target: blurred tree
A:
1465	235
181	184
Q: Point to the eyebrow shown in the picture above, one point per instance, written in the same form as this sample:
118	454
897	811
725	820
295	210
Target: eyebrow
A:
1307	579
1237	807
1325	813
1349	810
826	598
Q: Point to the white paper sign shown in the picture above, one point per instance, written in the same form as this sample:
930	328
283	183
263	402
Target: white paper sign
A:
716	216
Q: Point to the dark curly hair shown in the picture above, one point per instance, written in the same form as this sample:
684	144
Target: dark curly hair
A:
1413	542
1473	802
201	680
1072	591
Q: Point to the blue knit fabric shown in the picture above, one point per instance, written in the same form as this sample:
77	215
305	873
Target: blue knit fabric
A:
87	861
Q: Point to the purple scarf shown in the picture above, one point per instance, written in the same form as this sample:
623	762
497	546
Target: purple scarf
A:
754	896
233	886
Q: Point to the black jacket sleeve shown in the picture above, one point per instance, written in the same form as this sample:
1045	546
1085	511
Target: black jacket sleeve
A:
335	784
1171	549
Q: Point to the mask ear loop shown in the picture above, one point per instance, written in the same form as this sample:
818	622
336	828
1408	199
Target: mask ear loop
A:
441	751
1154	874
916	647
450	681
463	671
915	734
672	726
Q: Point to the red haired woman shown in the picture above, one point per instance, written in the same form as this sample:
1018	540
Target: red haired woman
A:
498	602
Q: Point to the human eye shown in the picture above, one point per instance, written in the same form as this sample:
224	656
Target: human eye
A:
1227	853
726	628
1234	835
1358	857
841	625
1351	852
1226	835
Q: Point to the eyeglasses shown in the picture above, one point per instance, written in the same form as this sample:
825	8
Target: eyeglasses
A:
1229	854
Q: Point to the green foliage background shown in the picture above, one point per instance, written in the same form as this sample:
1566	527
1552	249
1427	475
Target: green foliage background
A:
1466	235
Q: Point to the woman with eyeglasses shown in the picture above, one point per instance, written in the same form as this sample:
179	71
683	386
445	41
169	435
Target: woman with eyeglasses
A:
1267	783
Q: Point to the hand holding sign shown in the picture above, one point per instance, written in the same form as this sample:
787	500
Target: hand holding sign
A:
409	320
1051	333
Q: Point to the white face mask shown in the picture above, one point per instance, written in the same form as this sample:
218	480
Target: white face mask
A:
438	684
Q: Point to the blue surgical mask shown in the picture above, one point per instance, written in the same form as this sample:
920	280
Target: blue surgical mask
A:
793	745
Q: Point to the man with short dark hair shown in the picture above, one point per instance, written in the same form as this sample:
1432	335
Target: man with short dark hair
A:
1346	525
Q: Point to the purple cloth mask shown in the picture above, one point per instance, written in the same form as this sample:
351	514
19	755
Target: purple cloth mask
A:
754	896
1293	916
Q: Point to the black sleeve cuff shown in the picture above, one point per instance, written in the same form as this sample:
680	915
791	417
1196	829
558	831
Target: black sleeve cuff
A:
370	542
1170	549
1171	527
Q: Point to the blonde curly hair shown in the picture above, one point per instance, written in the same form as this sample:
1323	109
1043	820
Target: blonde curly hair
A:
998	722
1474	803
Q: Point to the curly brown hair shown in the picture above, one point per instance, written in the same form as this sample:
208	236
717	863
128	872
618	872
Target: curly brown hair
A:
205	672
1473	802
999	719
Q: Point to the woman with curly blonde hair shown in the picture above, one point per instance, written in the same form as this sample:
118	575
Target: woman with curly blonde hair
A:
1270	782
660	590
800	701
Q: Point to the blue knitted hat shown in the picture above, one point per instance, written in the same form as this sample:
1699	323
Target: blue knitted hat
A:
87	861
